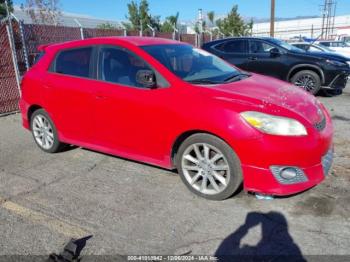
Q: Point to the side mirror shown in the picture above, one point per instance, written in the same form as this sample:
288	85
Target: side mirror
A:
146	78
274	52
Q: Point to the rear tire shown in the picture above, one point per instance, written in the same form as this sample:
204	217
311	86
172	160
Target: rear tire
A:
44	132
308	80
209	167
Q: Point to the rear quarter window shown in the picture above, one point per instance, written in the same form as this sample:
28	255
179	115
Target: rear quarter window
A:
73	62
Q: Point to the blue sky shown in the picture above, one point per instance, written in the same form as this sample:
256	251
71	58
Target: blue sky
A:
116	9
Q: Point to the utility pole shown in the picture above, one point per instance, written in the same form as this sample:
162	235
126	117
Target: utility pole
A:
328	18
200	21
272	19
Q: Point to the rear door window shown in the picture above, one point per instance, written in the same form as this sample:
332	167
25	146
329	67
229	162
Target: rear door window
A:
74	62
234	46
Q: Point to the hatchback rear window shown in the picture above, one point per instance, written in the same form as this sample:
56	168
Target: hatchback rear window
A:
75	62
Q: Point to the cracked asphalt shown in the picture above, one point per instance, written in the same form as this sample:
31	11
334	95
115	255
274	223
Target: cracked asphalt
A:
132	208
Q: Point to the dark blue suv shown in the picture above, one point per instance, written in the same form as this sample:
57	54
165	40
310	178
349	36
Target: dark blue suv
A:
273	57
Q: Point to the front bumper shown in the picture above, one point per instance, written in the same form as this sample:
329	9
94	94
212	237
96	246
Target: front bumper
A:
339	82
312	154
261	180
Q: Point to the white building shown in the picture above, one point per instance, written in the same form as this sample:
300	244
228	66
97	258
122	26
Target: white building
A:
308	27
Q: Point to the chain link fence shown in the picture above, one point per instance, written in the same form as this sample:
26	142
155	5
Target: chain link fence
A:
9	93
27	37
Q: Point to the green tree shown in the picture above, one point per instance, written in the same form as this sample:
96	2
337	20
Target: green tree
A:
106	26
250	27
233	24
139	16
197	28
128	26
134	16
43	11
169	23
155	22
3	12
211	17
173	19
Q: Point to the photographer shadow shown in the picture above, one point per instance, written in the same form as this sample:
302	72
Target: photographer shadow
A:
276	244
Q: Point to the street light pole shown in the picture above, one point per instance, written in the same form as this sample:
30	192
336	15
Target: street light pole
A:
272	19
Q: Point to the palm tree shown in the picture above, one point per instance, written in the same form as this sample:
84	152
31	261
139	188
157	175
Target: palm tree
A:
173	19
211	17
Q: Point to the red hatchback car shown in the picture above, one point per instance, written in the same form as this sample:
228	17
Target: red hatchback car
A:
172	105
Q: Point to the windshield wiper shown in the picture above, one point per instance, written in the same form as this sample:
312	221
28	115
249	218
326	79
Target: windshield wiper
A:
203	81
312	42
236	77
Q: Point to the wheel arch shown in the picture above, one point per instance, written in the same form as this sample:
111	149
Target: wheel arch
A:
31	110
300	67
182	137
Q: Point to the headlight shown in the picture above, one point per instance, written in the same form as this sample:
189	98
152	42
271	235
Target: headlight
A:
336	63
274	125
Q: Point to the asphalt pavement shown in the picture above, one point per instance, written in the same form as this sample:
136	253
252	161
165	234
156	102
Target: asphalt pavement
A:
133	208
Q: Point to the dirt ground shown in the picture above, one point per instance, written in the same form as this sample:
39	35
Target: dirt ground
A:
132	208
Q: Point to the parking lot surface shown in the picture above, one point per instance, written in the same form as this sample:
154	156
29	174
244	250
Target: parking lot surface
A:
132	208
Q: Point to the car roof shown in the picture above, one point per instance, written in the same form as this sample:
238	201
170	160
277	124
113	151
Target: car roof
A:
133	40
266	38
141	41
249	37
329	41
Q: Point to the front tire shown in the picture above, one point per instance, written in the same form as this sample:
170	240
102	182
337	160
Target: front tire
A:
308	80
44	132
209	167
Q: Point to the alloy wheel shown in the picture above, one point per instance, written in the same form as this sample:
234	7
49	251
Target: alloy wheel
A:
205	168
306	82
43	132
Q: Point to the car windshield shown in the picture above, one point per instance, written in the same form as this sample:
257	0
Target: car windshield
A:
192	64
325	48
287	46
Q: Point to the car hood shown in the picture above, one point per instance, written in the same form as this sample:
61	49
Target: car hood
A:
270	95
307	55
329	55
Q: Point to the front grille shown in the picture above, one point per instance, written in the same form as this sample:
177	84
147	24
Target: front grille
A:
327	161
320	125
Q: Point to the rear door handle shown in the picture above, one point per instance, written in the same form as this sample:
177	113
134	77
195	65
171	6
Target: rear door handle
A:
253	58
